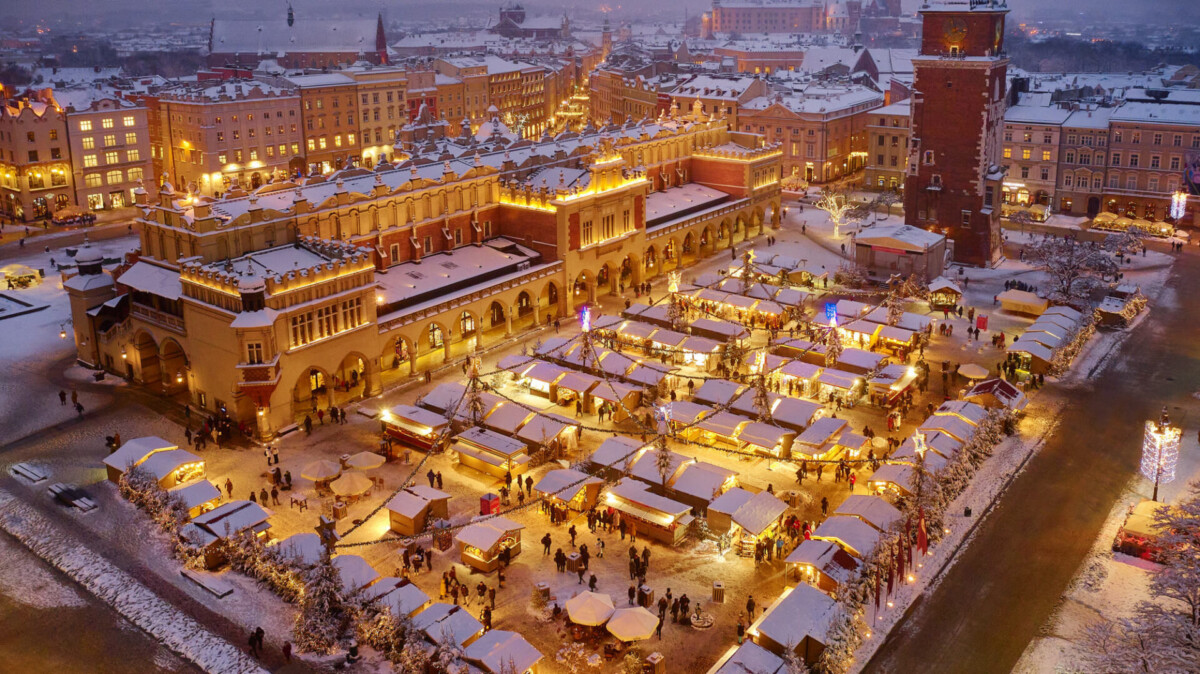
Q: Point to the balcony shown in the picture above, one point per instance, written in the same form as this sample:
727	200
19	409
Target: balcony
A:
259	374
159	318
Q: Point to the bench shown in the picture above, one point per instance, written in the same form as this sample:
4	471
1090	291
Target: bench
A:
210	583
300	502
27	472
72	496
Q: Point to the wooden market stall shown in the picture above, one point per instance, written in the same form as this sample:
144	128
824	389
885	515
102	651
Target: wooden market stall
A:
570	488
448	624
481	544
682	416
997	393
799	619
1032	358
820	563
944	293
654	516
748	658
504	652
766	439
226	520
1022	302
133	453
414	426
896	478
749	518
412	507
611	458
795	413
400	596
817	440
173	467
891	382
622	397
699	482
490	452
721	428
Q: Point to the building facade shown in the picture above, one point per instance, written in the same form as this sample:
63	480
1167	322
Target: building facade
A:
110	149
955	173
1032	138
36	179
305	294
213	138
888	130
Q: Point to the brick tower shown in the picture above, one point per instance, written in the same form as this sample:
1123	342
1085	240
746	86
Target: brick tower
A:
954	172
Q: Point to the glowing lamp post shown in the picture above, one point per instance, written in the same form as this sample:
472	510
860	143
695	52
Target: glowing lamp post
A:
1178	206
1160	451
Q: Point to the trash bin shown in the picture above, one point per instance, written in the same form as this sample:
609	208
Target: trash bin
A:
718	592
489	504
573	562
646	596
655	664
339	510
543	589
967	511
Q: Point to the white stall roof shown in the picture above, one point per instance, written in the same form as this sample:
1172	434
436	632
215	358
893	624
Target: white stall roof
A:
614	451
821	431
304	548
718	391
501	444
950	425
162	464
498	650
545	427
701	480
853	534
723	423
750	658
486	533
730	501
407	504
762	510
967	410
134	451
195	493
565	483
895	473
399	595
421	418
685	411
355	572
762	434
443	622
827	556
871	509
795	411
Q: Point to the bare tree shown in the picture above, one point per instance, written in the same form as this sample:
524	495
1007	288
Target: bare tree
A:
1074	268
886	199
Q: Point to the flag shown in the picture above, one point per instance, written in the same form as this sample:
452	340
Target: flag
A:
922	534
891	575
900	562
877	588
908	548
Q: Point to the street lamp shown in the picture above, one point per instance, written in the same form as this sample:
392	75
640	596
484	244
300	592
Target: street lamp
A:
1160	451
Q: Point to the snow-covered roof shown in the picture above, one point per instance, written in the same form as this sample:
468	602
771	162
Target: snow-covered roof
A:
967	410
443	622
278	36
417	415
761	511
950	425
486	533
871	509
565	483
646	467
482	437
1187	114
701	480
407	504
162	464
134	451
942	284
853	534
399	595
195	493
232	517
647	504
1005	393
545	427
304	548
718	391
664	204
761	434
821	431
898	474
802	611
153	279
723	423
750	658
84	282
614	451
354	572
901	237
729	502
1039	351
498	649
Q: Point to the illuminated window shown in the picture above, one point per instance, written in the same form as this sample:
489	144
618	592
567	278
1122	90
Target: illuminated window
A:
127	120
110	139
114	177
1045	155
349	139
221	158
89	143
321	142
254	155
337	140
133	155
112	157
93	180
312	145
1025	153
89	160
107	123
131	138
85	125
135	174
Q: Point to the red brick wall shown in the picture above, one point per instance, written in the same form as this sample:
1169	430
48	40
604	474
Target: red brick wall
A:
980	37
639	212
727	176
535	229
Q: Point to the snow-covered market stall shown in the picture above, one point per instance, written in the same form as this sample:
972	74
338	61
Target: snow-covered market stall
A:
485	544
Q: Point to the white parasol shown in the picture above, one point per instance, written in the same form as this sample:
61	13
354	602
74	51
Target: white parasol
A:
589	608
350	484
973	371
319	471
365	461
632	624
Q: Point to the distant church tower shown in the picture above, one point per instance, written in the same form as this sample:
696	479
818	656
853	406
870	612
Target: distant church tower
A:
291	16
954	176
605	39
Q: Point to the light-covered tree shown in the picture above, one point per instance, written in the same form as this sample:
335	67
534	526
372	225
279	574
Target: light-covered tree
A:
842	212
833	345
664	461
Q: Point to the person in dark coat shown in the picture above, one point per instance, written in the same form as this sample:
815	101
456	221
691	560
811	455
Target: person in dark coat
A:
431	476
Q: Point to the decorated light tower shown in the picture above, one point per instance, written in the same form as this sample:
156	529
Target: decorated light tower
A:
1160	451
675	311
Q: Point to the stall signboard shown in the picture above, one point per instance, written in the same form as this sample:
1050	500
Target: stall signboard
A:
981	322
830	311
